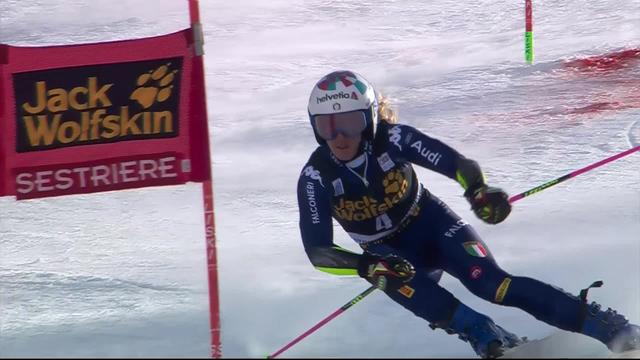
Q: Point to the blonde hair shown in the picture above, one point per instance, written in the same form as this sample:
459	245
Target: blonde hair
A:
385	111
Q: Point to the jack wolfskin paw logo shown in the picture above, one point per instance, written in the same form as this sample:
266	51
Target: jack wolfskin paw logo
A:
394	183
160	86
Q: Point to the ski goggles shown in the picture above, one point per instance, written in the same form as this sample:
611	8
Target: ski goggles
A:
349	124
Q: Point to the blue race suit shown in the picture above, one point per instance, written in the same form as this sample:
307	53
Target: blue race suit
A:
380	203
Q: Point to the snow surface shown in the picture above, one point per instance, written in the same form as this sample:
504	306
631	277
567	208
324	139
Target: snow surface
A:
124	273
564	345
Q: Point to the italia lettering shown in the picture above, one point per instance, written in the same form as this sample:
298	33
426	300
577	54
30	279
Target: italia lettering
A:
78	98
432	157
340	95
311	200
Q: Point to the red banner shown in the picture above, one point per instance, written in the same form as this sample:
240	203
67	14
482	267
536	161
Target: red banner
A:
99	117
109	116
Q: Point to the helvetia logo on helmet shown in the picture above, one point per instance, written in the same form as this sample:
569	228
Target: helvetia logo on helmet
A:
338	96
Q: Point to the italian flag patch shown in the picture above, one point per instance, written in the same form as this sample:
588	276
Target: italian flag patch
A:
475	248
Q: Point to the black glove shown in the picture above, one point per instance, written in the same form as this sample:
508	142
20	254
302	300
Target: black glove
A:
489	203
387	272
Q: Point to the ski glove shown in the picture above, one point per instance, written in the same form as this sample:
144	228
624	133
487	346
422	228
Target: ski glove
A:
388	272
488	203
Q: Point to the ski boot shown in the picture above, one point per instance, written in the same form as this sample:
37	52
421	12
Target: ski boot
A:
611	328
487	339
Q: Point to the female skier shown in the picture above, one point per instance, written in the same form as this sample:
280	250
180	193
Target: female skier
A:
362	176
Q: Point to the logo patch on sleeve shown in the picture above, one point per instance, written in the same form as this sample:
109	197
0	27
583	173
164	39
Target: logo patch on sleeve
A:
476	272
407	291
502	290
338	189
475	248
385	162
313	174
395	136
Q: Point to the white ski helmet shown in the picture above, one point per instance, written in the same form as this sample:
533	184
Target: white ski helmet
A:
344	91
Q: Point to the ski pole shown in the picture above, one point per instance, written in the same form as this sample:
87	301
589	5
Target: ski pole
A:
562	178
528	32
344	308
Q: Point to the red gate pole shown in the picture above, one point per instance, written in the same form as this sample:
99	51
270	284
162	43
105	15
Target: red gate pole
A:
207	184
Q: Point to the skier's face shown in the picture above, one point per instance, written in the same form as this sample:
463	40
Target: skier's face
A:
345	148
